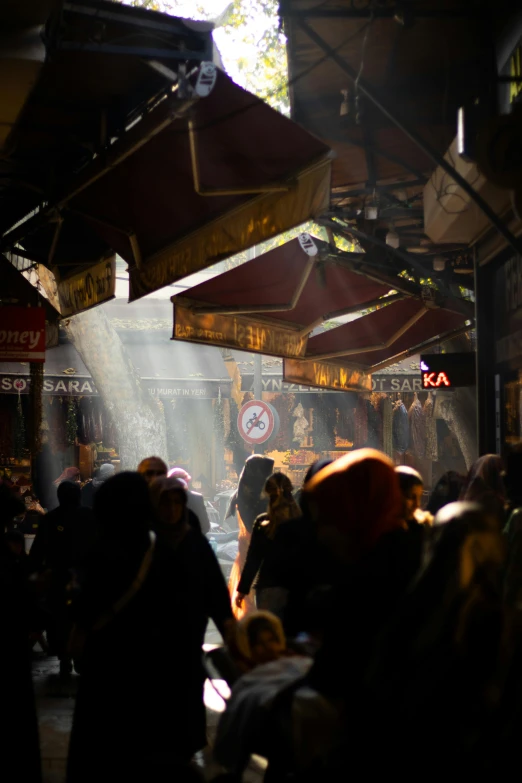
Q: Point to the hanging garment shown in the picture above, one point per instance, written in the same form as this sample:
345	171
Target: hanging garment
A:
361	424
387	426
374	427
417	424
400	428
432	446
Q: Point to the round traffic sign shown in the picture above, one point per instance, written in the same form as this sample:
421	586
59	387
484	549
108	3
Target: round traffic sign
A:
256	421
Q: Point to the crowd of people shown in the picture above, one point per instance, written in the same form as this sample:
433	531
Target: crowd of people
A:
359	630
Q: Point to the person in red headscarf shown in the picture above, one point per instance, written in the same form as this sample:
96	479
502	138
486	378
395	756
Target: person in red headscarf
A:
357	507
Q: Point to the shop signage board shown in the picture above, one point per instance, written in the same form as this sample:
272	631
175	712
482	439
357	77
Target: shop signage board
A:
22	334
381	383
88	289
446	371
326	376
85	387
256	422
242	333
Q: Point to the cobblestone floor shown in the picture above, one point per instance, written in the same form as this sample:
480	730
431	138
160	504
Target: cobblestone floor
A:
55	704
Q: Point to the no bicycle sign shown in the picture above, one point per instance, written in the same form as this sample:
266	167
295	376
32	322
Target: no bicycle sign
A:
257	422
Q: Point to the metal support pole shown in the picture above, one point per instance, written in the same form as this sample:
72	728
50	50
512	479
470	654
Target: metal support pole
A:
258	388
484	305
423	145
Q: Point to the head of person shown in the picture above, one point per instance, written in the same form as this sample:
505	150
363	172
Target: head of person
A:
251	499
354	501
169	500
151	468
412	487
466	549
104	472
69	494
260	638
447	490
180	474
123	510
69	474
281	503
485	476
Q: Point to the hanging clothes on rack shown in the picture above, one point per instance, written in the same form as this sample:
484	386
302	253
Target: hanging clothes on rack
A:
432	445
361	424
417	423
400	427
387	426
374	426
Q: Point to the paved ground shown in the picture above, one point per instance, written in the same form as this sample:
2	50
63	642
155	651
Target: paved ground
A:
55	703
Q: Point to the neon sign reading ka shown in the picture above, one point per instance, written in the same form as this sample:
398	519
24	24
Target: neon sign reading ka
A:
435	380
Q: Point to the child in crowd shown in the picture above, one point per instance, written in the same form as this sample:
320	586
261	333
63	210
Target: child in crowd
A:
412	488
259	639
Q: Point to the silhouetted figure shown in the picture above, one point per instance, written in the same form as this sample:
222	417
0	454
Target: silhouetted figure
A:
64	539
103	473
195	500
142	610
20	752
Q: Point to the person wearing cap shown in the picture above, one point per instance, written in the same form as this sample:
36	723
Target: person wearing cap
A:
195	501
106	471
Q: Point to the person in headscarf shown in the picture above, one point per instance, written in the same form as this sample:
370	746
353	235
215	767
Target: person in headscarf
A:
442	663
69	474
446	490
195	501
65	538
248	502
144	606
485	485
264	556
357	507
104	472
412	488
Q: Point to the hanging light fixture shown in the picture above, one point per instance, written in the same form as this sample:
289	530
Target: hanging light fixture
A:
371	208
392	238
439	264
345	104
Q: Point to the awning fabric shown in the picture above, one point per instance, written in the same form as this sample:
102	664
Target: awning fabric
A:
374	339
143	202
270	304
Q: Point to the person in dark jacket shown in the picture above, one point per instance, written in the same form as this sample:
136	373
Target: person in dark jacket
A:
195	501
104	472
139	710
262	558
69	474
20	757
64	540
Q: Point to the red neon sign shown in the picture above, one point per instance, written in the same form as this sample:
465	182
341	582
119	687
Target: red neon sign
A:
434	380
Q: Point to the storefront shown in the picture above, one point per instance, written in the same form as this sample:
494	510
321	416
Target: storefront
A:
397	417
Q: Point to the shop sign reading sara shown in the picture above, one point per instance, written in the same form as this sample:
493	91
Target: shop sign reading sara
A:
87	289
22	334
